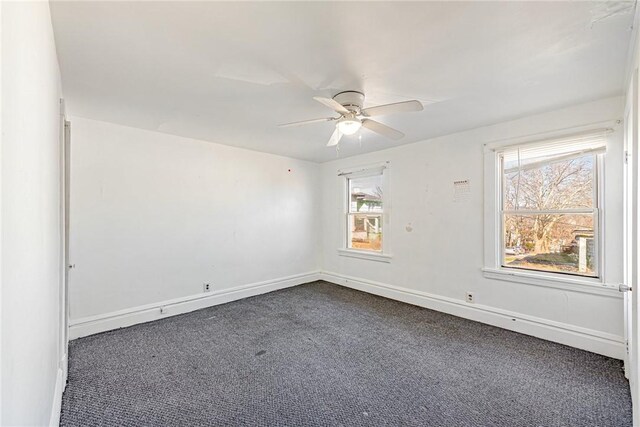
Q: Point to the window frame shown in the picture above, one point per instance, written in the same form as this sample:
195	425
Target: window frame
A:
596	211
381	169
493	231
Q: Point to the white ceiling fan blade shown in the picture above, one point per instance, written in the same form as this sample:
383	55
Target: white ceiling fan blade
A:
335	138
333	104
305	122
383	130
398	107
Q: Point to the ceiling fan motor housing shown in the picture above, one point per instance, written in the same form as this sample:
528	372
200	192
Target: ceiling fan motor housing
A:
353	116
351	100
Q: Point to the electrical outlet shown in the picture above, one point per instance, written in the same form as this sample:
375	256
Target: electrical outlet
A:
206	287
470	297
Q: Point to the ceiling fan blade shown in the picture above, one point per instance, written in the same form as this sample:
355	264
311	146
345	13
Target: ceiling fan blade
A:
335	138
333	104
305	122
383	130
398	107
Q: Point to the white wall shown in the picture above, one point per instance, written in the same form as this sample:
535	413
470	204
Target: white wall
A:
443	254
30	216
154	216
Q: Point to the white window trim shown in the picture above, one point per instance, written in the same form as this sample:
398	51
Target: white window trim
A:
362	171
492	219
368	255
553	280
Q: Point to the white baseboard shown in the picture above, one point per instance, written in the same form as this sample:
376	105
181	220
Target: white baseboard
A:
146	313
575	336
563	333
61	384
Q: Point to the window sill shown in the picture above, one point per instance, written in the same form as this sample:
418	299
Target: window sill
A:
575	284
371	256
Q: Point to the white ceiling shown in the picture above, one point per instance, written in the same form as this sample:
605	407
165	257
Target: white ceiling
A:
230	72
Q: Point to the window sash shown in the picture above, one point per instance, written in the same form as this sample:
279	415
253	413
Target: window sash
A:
594	196
596	246
351	212
595	211
367	214
350	208
381	211
364	212
350	233
548	211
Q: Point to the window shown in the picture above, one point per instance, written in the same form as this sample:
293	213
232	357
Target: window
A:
365	212
549	210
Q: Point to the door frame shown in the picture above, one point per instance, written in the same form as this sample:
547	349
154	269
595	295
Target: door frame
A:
65	135
631	237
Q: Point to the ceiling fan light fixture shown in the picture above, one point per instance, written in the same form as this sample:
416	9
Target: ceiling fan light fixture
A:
349	104
349	126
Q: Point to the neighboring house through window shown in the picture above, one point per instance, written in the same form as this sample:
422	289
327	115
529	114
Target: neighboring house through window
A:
365	212
365	218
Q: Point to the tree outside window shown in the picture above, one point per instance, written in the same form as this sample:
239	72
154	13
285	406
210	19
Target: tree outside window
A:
549	212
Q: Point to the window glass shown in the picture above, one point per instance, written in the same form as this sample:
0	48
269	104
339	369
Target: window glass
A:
365	216
550	184
365	232
365	194
562	243
549	216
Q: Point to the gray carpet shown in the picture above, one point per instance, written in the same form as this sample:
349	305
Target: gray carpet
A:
323	355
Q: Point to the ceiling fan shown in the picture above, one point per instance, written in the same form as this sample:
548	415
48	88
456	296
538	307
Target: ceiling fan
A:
352	116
